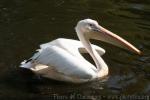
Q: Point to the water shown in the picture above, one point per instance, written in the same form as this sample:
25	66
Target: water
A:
26	24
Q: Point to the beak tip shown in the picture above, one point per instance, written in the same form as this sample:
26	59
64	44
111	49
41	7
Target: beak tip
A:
140	53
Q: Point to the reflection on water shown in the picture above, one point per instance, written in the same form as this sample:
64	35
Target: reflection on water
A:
26	24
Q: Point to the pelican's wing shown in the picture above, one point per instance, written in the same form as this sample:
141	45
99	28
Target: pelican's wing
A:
56	58
74	47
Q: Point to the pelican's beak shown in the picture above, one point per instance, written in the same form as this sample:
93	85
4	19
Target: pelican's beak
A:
100	33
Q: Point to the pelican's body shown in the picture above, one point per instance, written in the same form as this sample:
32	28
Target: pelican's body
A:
61	59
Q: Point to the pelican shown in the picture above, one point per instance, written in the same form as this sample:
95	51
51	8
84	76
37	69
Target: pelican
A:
61	59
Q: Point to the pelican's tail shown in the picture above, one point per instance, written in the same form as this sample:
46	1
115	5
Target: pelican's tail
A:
26	64
31	61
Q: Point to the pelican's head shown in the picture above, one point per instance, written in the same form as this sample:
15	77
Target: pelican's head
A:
86	26
90	29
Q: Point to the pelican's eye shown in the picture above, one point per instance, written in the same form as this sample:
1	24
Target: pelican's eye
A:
91	25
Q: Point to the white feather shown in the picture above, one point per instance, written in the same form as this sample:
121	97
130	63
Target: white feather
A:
63	56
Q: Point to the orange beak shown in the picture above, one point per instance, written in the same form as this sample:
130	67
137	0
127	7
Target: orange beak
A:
100	33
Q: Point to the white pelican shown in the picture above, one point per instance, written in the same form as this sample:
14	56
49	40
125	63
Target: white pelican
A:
61	60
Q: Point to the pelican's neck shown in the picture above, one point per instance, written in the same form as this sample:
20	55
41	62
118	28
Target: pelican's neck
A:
100	64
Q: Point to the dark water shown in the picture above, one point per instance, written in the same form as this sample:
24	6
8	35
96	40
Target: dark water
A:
24	24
